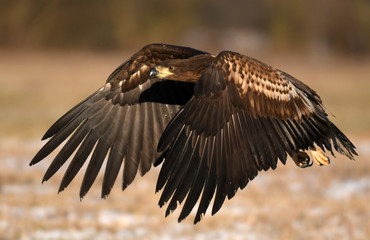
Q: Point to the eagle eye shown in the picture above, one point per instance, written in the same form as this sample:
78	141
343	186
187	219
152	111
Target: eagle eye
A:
171	67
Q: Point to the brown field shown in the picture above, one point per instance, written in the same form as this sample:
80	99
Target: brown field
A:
289	203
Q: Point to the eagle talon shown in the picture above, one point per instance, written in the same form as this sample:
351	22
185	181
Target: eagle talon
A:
319	157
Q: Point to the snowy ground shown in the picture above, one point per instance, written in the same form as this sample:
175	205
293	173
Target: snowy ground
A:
288	203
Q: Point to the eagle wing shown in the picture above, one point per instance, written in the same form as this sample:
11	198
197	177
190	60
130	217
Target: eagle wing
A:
124	120
243	117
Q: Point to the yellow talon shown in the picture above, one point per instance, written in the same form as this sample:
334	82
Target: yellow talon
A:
319	157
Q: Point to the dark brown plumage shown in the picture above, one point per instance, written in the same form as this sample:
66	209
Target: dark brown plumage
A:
240	117
124	118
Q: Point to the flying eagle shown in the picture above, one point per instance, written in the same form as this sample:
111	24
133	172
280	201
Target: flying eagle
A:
214	121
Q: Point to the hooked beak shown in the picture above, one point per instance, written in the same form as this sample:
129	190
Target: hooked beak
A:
160	72
153	73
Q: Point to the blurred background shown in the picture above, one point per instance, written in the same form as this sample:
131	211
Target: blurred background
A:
54	53
332	26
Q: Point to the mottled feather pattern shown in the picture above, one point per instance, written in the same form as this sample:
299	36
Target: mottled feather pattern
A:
266	91
213	121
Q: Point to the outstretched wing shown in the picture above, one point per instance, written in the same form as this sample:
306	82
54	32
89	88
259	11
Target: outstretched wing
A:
243	117
124	120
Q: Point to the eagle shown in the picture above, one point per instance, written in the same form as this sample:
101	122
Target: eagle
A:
212	121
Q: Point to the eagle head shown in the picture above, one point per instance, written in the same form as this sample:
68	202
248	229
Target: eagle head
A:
184	70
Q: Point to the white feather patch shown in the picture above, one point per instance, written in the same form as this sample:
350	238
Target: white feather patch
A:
138	72
106	86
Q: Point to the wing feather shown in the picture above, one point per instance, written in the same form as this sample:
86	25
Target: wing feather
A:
66	151
124	120
266	91
187	180
199	182
132	143
116	155
147	139
244	125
